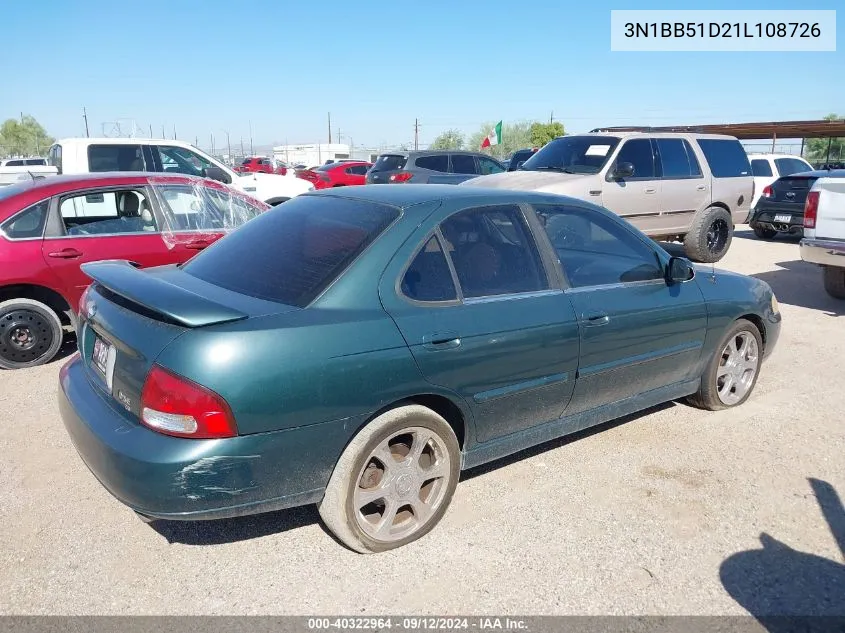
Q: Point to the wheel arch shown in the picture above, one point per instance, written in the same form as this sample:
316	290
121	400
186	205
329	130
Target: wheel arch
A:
49	297
759	323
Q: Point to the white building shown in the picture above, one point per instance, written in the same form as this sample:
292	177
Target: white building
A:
314	154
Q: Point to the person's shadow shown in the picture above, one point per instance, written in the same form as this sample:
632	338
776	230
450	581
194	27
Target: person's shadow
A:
789	590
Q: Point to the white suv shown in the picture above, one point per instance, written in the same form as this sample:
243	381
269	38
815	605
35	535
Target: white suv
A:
84	155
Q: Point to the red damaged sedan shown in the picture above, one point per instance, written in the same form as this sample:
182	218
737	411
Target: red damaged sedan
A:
336	174
49	227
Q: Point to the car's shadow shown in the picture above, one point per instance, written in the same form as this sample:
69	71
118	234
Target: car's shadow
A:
790	590
220	531
788	238
799	283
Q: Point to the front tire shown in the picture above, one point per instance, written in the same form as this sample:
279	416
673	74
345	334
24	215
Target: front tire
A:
30	333
834	281
709	236
394	481
732	372
763	233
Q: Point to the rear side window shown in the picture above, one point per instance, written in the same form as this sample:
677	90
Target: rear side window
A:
28	223
438	162
461	164
677	159
35	161
14	163
760	167
428	278
789	166
388	162
727	158
116	158
293	252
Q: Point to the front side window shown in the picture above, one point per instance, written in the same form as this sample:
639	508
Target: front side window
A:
595	250
789	166
493	252
197	208
107	213
438	162
28	223
428	277
761	168
180	160
488	166
116	158
640	154
462	164
293	252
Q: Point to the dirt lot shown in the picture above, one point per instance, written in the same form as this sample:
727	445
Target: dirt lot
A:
675	511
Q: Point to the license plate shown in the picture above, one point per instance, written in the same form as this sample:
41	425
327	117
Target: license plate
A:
102	358
783	218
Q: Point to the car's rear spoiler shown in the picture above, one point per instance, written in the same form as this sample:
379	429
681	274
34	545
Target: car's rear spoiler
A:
157	295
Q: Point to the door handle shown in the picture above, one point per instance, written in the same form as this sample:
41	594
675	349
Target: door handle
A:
198	245
701	187
650	190
593	320
66	253
441	340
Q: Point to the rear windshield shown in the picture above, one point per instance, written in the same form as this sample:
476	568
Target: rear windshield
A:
387	162
789	166
292	253
727	158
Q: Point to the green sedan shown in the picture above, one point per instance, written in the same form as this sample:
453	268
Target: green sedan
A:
358	348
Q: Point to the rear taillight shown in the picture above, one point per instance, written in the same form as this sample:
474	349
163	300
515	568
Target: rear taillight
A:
82	309
402	176
767	191
173	405
325	178
811	209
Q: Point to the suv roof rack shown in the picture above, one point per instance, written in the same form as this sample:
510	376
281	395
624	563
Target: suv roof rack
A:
634	128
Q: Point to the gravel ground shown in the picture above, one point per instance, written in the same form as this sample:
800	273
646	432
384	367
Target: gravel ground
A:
674	511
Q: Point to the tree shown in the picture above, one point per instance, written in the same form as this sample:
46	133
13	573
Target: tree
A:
514	136
24	138
450	139
542	133
816	148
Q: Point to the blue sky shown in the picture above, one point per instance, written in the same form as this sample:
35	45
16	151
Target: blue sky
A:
211	66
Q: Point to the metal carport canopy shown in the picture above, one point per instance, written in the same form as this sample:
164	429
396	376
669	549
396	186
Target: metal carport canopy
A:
746	131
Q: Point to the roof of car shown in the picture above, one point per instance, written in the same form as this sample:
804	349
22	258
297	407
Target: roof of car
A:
774	155
406	196
818	173
629	133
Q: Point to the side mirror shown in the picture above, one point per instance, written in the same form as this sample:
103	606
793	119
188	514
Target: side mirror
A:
520	164
679	270
215	173
622	171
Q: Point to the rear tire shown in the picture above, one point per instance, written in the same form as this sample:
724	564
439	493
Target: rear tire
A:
737	359
394	481
709	236
763	233
834	281
30	333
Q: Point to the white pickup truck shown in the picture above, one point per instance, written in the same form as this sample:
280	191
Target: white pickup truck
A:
14	170
824	230
84	155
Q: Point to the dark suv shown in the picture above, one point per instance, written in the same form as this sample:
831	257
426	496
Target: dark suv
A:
434	167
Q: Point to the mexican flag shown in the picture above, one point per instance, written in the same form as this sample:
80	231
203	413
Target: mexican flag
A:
494	138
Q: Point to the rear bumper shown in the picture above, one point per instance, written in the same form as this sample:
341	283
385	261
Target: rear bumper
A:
824	252
174	478
782	221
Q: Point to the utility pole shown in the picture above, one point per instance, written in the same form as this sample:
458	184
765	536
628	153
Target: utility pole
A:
242	147
151	130
251	149
416	134
85	116
552	117
174	131
212	143
196	141
228	146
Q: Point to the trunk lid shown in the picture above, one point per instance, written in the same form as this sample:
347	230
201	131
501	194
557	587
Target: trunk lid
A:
791	190
129	316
